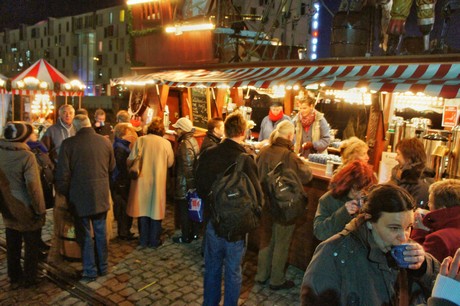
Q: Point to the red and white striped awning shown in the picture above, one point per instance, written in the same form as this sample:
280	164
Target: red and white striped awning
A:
436	79
43	71
51	93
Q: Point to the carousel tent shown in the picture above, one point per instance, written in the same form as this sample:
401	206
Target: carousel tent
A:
40	84
42	71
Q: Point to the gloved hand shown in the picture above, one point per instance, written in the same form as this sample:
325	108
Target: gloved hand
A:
308	145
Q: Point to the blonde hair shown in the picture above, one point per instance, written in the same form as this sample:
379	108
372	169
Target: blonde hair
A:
122	129
352	149
283	129
445	193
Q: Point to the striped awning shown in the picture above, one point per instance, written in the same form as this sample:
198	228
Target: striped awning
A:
436	79
51	93
43	71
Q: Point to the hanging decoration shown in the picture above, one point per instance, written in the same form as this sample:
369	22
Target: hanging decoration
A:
42	106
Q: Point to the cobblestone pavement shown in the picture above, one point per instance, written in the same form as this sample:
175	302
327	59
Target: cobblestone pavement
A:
169	275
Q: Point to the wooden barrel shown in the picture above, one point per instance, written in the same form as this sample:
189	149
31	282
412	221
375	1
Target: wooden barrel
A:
350	34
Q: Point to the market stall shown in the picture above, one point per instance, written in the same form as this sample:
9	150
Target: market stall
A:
379	83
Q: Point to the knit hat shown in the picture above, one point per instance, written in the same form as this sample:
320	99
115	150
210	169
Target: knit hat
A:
17	131
184	124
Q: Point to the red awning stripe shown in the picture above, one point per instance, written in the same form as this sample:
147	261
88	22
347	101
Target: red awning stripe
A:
51	93
42	71
433	78
55	75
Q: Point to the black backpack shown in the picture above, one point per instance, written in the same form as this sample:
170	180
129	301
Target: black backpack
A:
233	200
46	168
287	198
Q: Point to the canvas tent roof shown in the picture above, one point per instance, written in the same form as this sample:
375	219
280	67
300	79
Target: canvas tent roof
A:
45	72
437	77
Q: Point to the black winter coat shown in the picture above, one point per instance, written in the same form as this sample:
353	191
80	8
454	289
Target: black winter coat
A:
216	160
83	172
209	141
186	155
411	180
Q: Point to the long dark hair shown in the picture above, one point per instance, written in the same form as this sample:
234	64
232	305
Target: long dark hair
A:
387	198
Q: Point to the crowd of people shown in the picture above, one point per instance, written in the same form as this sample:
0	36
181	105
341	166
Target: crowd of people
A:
359	221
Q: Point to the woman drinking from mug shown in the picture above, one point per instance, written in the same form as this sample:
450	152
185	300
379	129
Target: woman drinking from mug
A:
342	202
354	267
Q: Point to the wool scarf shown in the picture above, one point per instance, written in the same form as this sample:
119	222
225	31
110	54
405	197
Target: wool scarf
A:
274	117
307	121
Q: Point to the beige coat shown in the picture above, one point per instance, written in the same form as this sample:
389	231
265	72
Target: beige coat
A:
147	196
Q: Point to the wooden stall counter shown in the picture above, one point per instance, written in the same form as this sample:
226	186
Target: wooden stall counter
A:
304	242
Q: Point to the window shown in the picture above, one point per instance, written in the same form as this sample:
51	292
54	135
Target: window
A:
100	19
122	15
115	59
253	11
110	45
67	26
110	18
151	11
303	9
121	44
99	60
67	51
109	31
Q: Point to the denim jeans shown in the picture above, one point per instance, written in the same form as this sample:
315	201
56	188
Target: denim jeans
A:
94	259
219	253
149	232
14	240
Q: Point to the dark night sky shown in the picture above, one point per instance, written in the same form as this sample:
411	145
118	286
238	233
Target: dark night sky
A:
15	12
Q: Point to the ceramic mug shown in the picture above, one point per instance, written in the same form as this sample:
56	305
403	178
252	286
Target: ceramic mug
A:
397	253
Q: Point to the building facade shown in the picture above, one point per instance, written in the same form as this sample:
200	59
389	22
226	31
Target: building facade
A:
91	47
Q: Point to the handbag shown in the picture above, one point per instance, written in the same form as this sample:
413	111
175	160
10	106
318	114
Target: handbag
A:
135	168
195	206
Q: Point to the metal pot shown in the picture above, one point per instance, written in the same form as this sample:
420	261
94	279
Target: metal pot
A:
453	168
431	142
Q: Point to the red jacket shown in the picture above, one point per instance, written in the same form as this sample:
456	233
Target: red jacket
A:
444	238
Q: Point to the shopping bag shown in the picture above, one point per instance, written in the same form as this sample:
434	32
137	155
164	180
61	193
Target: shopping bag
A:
195	206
